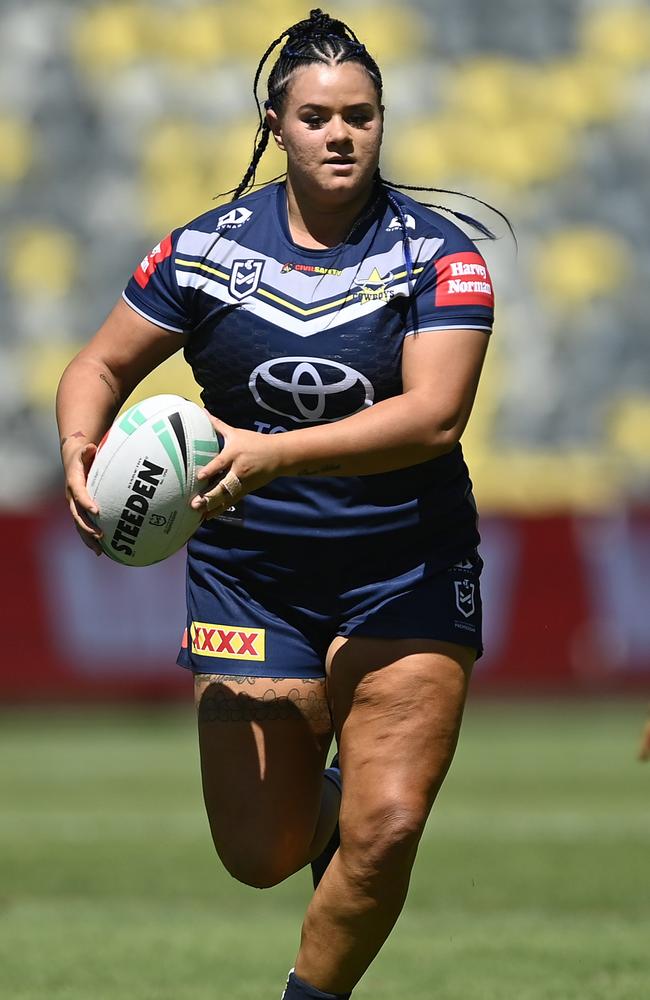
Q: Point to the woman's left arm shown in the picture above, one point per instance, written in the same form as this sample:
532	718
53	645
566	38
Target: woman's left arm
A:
440	375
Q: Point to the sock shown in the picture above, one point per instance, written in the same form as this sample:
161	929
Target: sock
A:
333	772
297	989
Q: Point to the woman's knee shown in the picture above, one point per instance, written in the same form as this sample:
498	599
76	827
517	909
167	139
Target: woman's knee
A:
382	844
260	866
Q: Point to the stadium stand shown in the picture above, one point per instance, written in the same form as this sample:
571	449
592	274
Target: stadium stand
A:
119	120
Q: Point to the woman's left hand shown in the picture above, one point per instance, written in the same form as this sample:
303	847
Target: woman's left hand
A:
249	460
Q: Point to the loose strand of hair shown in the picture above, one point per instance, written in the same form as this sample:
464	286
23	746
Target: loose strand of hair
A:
464	218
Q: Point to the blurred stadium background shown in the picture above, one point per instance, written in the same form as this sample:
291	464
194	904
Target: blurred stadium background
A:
120	120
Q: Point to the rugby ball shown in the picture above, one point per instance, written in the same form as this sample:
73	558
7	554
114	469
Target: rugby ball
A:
144	476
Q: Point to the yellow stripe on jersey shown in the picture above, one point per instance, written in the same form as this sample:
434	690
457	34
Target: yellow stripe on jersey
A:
312	311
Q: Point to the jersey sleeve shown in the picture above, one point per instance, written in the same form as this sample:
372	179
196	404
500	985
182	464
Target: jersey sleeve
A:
453	291
153	290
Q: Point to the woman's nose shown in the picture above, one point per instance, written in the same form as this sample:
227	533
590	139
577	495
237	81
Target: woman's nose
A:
338	130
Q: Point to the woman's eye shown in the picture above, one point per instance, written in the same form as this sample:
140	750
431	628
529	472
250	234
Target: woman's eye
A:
314	121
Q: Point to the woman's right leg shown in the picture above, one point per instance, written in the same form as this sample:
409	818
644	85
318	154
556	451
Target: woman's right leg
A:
263	745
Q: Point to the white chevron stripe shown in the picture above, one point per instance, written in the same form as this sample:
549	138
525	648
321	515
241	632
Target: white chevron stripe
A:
280	317
309	289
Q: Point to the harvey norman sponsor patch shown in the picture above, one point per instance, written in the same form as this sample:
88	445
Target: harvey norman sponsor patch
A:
463	280
228	642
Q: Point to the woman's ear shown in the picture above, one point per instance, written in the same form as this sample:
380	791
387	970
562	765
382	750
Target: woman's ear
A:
276	128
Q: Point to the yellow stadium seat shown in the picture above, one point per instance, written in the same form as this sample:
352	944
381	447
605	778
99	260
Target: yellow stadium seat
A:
16	149
579	264
580	90
185	166
536	481
43	365
427	151
495	90
629	429
513	153
42	261
107	37
390	32
530	151
174	182
193	37
618	34
250	28
173	375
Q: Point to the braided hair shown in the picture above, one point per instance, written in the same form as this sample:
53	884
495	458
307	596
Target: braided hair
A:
323	39
317	39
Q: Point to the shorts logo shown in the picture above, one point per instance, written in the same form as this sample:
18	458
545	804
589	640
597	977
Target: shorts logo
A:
227	641
148	266
234	219
463	280
309	389
465	597
245	278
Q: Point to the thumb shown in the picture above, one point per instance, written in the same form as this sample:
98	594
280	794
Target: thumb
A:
88	456
222	428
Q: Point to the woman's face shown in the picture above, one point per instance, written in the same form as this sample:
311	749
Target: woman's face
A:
330	127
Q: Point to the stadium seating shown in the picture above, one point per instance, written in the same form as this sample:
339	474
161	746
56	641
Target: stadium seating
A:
120	119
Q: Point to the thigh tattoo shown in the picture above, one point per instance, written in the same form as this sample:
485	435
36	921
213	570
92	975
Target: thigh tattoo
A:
220	703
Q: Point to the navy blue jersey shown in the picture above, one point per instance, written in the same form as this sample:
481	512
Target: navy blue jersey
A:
281	337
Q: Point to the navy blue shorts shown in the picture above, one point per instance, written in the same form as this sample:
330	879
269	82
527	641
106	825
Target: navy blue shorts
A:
273	611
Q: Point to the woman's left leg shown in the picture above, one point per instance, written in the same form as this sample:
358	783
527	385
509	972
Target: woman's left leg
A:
397	706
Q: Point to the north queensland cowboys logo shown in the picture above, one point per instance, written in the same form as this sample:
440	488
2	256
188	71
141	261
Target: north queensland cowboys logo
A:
310	389
245	277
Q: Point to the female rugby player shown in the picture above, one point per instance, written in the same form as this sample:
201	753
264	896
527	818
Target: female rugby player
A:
337	328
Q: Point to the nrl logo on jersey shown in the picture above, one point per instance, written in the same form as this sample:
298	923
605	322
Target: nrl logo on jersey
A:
234	219
245	278
395	223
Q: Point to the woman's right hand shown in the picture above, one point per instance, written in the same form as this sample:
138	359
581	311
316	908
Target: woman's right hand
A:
77	459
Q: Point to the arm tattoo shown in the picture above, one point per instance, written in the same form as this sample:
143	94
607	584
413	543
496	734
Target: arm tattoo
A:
320	471
111	387
76	434
220	703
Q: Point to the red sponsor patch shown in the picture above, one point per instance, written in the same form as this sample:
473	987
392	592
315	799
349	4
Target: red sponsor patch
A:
463	280
150	263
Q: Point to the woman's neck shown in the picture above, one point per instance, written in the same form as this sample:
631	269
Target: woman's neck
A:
317	226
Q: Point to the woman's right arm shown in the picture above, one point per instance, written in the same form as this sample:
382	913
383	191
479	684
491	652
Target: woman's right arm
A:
94	387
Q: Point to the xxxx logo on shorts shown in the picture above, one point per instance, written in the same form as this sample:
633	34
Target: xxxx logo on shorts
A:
227	641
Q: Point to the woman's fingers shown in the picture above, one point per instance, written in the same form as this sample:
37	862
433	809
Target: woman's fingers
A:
224	494
88	532
82	506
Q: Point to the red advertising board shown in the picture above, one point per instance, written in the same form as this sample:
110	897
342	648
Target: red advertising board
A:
567	610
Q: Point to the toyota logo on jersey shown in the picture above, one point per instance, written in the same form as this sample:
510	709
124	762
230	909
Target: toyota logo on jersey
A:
310	389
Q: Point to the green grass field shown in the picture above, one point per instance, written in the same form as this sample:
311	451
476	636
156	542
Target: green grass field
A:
533	880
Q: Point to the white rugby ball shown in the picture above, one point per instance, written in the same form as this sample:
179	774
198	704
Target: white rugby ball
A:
144	476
